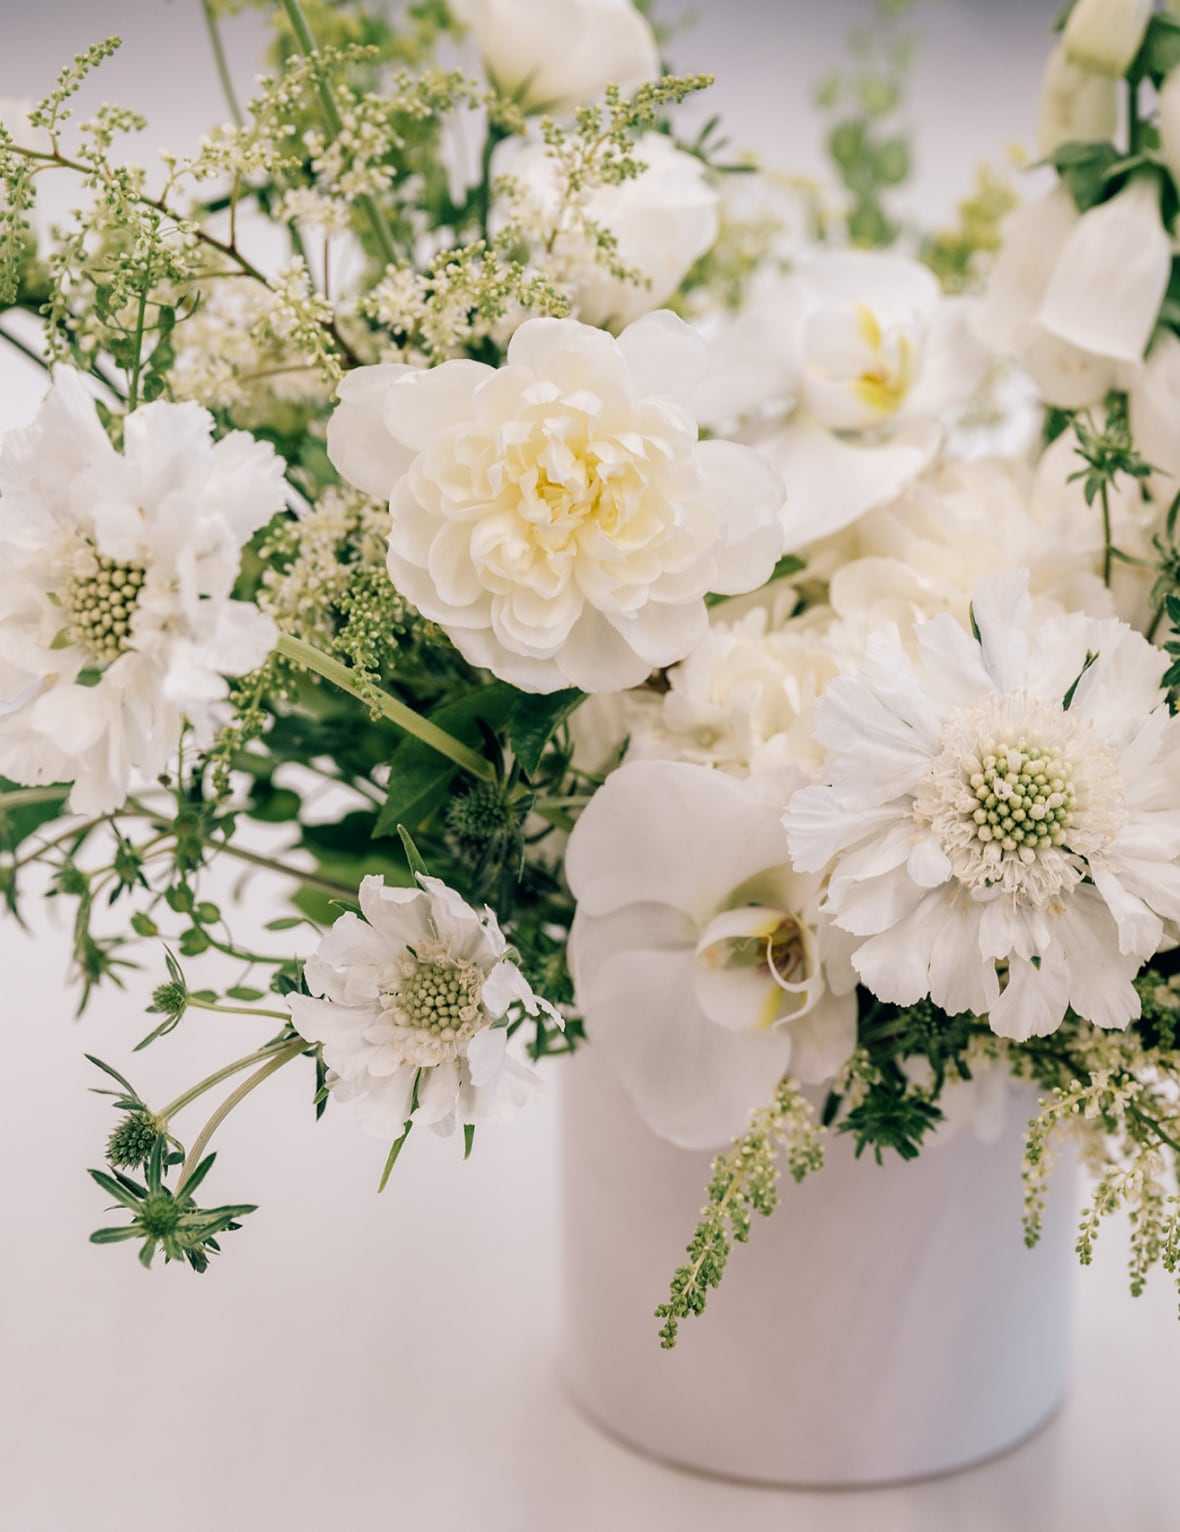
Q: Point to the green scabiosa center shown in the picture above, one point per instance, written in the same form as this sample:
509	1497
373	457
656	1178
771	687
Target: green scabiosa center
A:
438	995
1025	796
99	601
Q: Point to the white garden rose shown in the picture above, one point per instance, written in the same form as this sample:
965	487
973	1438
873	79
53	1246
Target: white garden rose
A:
117	621
663	221
566	56
559	517
1105	35
1121	250
1077	104
700	960
1000	824
1009	319
845	371
411	1001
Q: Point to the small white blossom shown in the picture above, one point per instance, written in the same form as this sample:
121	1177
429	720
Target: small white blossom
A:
119	569
411	1001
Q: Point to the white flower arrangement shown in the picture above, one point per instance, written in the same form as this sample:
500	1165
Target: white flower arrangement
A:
738	632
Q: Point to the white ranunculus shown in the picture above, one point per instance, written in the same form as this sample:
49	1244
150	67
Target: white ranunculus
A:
565	57
1008	319
1105	35
864	357
118	570
1154	398
1077	104
699	958
559	516
412	999
663	220
1108	282
1169	123
1000	822
744	699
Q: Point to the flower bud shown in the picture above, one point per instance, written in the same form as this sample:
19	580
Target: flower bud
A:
1109	281
1076	104
1105	35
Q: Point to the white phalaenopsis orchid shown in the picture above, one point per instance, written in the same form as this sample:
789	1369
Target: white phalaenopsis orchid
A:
118	569
411	1001
559	516
699	958
567	57
663	220
845	372
1000	826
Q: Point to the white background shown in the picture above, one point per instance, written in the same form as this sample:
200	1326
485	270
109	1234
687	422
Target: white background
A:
354	1361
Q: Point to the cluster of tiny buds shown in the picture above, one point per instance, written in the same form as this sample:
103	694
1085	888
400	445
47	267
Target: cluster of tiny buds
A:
1026	799
439	997
100	604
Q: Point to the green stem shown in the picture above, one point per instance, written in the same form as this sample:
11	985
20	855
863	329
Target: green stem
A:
368	205
1157	618
219	58
21	796
235	1098
311	658
1132	117
312	879
207	1084
1107	540
25	350
238	1010
137	362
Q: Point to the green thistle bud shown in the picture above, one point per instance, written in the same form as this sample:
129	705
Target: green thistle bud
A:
160	1215
170	998
132	1141
482	825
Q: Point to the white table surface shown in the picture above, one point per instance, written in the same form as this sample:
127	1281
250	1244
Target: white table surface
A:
356	1362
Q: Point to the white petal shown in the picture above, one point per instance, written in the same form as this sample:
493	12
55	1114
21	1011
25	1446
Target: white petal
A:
748	495
666	358
421	403
1034	1001
359	444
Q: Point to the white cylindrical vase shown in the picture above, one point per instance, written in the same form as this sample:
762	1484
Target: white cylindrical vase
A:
886	1323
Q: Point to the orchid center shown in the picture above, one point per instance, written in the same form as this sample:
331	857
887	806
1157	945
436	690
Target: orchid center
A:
99	601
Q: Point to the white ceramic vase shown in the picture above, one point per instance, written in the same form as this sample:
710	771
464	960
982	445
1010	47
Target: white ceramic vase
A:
886	1323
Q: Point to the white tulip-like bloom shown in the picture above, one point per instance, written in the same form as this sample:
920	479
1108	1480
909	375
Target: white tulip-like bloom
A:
699	958
117	570
1119	249
411	1005
1008	317
1168	121
1153	392
1077	104
865	358
1105	35
1000	824
663	220
744	699
558	516
566	58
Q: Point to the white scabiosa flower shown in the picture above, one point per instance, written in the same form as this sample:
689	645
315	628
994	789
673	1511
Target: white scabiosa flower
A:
663	220
1000	824
744	699
1119	249
117	621
411	1001
1077	105
864	358
567	57
699	958
1008	318
559	516
1105	35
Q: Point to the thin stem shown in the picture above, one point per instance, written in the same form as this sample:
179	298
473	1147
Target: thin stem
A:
137	362
1132	117
1107	540
235	1098
238	1010
396	712
1157	618
368	205
219	58
25	350
20	797
207	1084
311	879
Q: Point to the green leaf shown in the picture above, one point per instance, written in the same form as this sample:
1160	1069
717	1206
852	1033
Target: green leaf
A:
17	824
395	1150
244	992
285	923
419	776
413	855
468	1139
113	1236
1159	52
533	722
1084	168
